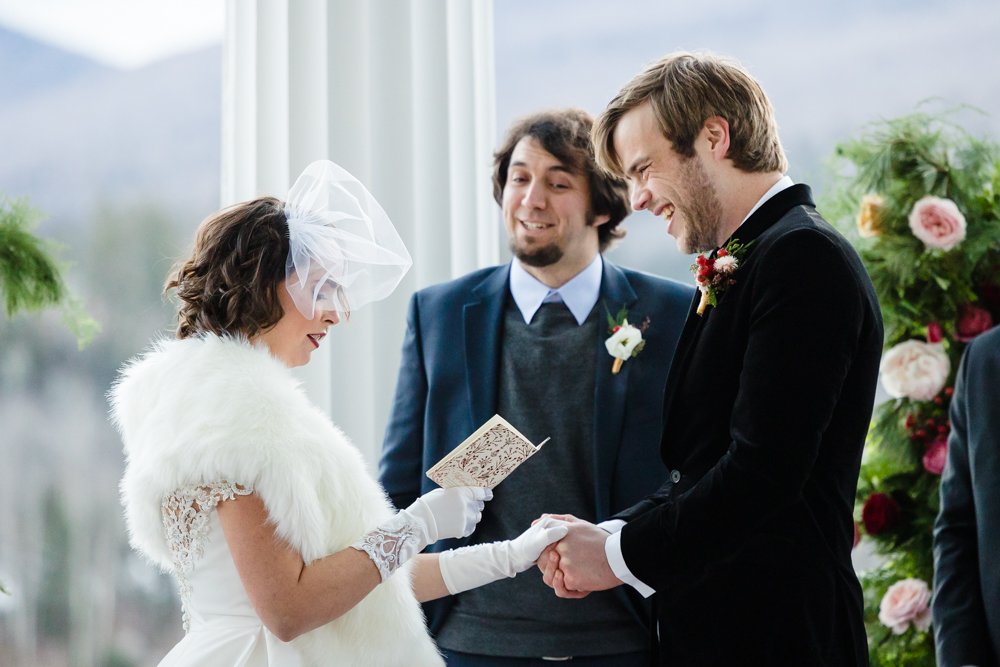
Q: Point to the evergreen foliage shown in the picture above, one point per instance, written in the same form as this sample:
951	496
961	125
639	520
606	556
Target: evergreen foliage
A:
30	278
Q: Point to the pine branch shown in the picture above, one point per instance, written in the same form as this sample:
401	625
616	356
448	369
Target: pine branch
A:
29	277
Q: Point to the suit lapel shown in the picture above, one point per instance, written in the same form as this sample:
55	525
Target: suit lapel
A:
483	322
689	334
769	212
610	391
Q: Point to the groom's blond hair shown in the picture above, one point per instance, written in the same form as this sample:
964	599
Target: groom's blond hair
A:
685	90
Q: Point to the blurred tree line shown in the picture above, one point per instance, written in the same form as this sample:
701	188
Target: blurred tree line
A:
77	594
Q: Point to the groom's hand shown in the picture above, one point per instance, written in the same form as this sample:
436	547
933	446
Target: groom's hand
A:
548	563
577	565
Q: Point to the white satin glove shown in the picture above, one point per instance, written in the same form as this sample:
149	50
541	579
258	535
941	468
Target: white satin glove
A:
436	515
444	513
471	567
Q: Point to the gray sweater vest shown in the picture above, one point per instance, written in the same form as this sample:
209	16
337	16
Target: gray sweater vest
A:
547	372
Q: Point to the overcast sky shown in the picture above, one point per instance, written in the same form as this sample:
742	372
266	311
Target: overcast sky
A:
121	33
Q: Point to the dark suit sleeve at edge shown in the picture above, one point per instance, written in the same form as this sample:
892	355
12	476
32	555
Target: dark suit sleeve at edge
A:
960	632
402	450
805	325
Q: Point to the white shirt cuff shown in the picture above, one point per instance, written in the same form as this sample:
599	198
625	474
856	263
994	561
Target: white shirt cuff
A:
611	525
613	551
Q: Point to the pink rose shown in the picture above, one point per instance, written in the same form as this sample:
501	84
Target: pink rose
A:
972	321
915	369
907	601
935	456
937	222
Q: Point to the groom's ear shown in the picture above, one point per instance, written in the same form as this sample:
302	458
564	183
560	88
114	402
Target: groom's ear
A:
716	132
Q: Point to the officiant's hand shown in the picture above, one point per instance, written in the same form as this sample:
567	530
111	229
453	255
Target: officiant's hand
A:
444	513
577	565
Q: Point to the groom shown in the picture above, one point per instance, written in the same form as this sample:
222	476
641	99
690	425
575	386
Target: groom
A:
748	545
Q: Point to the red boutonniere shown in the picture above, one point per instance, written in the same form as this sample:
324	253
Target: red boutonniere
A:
714	275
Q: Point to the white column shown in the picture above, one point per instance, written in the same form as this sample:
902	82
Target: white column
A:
400	93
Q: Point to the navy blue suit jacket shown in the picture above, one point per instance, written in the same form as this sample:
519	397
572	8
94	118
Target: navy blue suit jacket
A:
448	380
966	601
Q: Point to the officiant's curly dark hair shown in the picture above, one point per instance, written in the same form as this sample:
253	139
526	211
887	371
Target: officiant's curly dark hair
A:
565	133
229	285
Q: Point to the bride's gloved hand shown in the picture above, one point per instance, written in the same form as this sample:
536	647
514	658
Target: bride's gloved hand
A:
471	567
444	513
436	515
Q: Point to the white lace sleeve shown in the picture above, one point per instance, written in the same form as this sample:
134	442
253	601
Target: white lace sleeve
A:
390	545
186	513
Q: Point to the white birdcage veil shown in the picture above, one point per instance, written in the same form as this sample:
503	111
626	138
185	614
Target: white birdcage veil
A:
343	250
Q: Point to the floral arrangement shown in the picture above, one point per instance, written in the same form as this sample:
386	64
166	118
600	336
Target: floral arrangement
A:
921	199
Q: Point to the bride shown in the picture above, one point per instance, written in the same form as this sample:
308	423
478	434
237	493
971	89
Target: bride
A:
285	549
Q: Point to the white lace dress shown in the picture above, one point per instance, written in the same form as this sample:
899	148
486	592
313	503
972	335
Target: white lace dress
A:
222	627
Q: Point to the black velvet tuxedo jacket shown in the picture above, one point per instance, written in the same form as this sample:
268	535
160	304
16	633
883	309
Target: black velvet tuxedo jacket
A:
966	602
768	401
449	378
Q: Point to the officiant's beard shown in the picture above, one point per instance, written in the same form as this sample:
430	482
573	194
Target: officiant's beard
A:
544	256
541	256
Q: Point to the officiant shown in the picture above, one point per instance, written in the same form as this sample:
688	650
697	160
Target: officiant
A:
529	340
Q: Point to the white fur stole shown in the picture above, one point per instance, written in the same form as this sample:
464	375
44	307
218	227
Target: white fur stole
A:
210	409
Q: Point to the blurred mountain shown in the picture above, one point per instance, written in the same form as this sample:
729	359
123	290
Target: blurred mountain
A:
31	66
828	68
76	135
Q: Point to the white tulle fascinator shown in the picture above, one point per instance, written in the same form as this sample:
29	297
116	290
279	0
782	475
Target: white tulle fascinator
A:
343	250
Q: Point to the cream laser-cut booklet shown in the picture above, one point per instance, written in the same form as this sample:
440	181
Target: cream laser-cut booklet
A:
486	457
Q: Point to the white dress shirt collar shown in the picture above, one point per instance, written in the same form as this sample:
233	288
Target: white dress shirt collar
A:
579	294
783	183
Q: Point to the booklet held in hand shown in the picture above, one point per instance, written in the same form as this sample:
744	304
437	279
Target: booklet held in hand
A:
486	457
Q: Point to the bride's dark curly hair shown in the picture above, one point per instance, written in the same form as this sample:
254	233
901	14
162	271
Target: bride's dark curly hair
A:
229	285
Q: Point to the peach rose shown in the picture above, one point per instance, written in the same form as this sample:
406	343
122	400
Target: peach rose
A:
937	222
907	601
870	216
915	369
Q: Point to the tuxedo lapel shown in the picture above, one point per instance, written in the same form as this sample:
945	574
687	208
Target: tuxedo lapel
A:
689	334
483	321
769	212
610	391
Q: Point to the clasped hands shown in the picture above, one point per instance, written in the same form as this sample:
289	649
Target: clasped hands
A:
576	565
569	551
